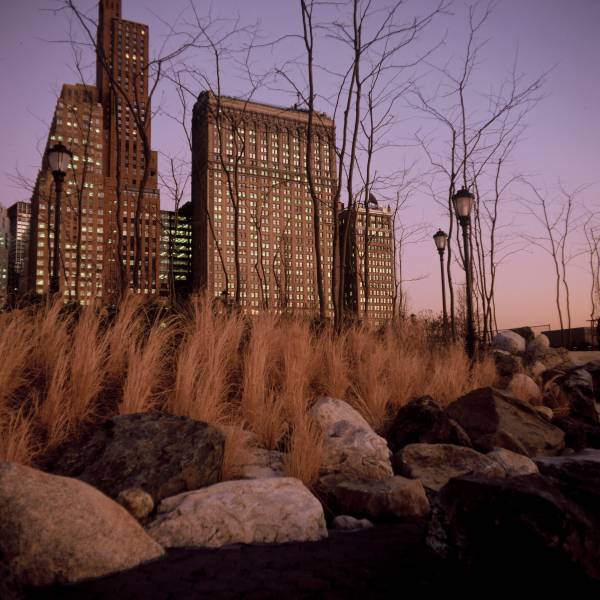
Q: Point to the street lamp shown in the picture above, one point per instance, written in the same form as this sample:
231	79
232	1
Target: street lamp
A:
59	158
441	239
463	203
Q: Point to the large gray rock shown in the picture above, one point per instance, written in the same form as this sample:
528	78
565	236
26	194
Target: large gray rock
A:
538	345
524	388
515	525
436	464
60	530
513	464
423	420
509	341
507	364
159	453
393	497
274	510
351	449
494	419
258	463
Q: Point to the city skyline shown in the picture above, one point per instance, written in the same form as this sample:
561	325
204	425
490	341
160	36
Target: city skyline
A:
527	276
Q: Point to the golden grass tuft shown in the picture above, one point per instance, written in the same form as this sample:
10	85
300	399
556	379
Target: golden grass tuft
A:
256	375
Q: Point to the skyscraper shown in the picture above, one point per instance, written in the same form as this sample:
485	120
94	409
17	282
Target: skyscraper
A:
122	82
77	124
4	236
176	251
19	215
380	279
249	160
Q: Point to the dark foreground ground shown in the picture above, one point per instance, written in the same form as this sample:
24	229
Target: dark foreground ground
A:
384	562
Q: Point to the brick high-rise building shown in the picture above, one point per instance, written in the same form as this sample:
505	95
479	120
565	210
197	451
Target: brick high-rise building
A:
122	82
380	240
4	237
77	124
19	215
176	251
258	151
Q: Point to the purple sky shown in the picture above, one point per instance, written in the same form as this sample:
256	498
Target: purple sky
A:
562	141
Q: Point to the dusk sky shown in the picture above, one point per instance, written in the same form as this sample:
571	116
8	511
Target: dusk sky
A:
561	143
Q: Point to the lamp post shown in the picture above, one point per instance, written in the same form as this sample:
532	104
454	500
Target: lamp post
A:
463	203
59	158
441	238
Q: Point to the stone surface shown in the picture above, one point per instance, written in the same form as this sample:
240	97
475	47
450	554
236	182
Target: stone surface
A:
435	464
275	510
538	345
509	341
507	364
571	390
258	463
525	332
138	502
537	368
498	525
60	530
545	411
577	476
393	497
351	449
579	434
513	464
423	420
524	388
494	419
160	453
348	523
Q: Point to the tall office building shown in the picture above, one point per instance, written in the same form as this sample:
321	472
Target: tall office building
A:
380	244
4	236
122	82
77	124
255	154
176	251
19	215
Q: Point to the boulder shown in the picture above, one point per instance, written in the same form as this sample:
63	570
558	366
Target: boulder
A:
525	332
545	411
159	453
593	368
507	364
494	419
579	433
552	357
524	388
514	525
573	391
138	502
252	511
513	464
577	476
348	523
423	420
60	530
351	449
387	498
509	341
538	345
537	368
435	464
258	463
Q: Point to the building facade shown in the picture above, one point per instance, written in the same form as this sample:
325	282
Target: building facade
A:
130	166
369	293
19	215
250	199
176	252
4	238
77	124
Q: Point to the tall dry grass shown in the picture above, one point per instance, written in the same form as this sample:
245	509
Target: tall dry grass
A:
62	370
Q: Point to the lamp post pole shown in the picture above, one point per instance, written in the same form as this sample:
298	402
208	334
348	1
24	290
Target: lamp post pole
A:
463	201
440	238
58	159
